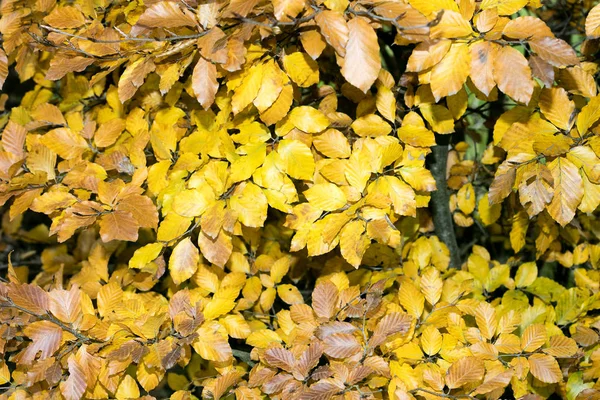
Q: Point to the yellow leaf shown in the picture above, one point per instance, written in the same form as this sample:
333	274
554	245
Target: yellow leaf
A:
439	117
211	344
243	167
354	242
109	298
431	340
308	119
534	336
332	143
145	255
302	69
326	196
172	226
466	198
589	115
417	136
592	23
488	213
289	294
237	327
371	125
450	74
451	26
245	94
557	108
297	158
218	306
250	203
279	109
485	316
568	190
526	274
505	7
362	61
402	196
426	7
271	87
183	262
385	102
262	338
193	202
431	285
127	389
411	299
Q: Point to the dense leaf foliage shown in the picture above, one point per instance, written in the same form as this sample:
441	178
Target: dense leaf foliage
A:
300	199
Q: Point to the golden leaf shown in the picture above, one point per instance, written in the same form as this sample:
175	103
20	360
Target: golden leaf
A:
465	370
362	61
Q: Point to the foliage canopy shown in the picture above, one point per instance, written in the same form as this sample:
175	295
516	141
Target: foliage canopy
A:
300	199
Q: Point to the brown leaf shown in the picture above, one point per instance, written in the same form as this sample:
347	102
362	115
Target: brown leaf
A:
503	183
325	299
527	28
341	345
586	336
133	77
220	385
239	8
3	67
204	82
75	385
142	208
545	368
13	139
512	74
65	17
66	304
280	358
465	370
534	336
217	250
555	51
542	70
60	65
30	297
166	14
561	347
362	62
118	225
322	390
482	66
308	360
389	325
494	382
46	338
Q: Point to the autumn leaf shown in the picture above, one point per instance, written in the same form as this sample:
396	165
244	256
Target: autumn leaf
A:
362	61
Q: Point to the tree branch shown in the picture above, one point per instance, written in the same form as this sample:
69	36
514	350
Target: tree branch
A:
440	199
